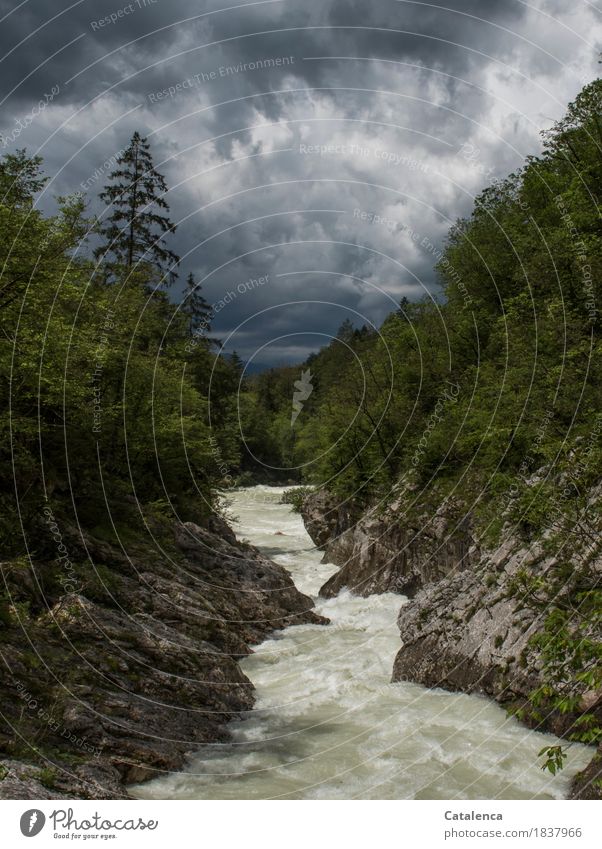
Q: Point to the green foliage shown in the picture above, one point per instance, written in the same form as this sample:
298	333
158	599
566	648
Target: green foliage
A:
295	497
47	777
108	398
196	309
555	757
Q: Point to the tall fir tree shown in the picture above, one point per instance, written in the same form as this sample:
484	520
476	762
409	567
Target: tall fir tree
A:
237	364
135	225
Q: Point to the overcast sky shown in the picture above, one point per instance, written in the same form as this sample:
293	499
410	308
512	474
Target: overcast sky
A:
334	171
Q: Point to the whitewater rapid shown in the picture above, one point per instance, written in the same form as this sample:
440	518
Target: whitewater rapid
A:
328	724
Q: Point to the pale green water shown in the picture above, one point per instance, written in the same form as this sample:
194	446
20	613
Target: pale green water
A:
329	725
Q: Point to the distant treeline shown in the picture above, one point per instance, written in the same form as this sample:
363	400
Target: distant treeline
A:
501	375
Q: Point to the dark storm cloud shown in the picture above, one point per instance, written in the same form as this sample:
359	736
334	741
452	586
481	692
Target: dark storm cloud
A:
164	38
412	107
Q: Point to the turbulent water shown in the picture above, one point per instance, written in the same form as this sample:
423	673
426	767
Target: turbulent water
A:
329	725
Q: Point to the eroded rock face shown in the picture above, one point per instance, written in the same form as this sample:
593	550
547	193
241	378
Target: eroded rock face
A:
325	518
470	631
467	632
27	781
381	551
137	668
587	783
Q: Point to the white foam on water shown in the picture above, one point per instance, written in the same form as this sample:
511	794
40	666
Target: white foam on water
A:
328	724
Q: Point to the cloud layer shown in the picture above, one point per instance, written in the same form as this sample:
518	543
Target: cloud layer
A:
327	145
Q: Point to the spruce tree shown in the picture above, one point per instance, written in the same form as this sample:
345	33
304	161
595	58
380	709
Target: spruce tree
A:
237	365
134	228
404	305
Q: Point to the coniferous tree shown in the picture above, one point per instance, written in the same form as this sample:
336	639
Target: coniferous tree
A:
134	228
237	364
345	331
404	304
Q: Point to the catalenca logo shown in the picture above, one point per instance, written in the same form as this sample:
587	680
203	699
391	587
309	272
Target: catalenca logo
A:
32	822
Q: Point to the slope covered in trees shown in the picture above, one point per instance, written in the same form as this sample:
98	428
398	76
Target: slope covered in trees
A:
105	389
463	384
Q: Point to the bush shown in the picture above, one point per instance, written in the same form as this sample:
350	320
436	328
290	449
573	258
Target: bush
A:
295	497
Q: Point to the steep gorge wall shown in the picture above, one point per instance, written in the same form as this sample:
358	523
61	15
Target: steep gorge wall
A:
118	681
382	550
470	631
464	628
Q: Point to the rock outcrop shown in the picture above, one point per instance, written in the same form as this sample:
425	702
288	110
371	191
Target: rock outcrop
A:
119	679
468	632
587	783
466	627
382	550
326	519
471	631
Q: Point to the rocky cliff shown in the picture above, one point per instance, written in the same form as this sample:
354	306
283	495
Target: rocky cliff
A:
467	631
467	626
382	550
472	631
117	679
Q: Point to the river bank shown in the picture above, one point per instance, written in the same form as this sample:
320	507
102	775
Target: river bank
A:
328	722
470	624
120	678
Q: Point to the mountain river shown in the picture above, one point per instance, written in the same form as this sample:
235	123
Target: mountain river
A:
328	724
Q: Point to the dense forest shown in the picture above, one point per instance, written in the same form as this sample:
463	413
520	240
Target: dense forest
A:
462	385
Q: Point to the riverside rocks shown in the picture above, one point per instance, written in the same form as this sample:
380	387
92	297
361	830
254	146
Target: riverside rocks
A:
470	632
380	551
464	628
325	519
586	784
120	680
